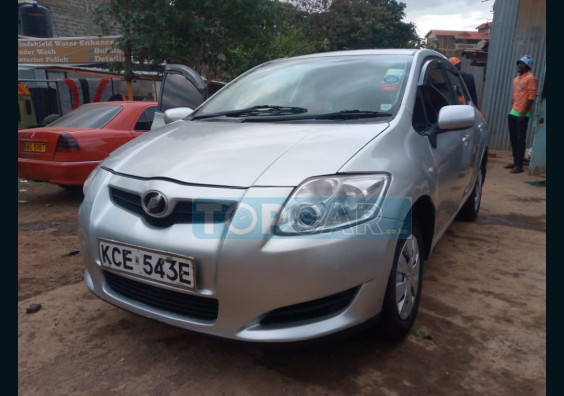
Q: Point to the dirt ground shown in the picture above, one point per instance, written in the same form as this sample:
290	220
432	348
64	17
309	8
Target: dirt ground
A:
481	328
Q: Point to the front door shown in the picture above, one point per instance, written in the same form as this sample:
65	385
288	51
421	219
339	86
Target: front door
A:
181	87
451	150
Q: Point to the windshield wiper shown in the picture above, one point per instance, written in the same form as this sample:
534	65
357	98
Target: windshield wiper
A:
351	114
260	110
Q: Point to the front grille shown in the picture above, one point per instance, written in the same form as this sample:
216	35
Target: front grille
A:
184	211
322	308
196	307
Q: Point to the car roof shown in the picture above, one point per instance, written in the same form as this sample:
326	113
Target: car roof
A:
387	51
415	52
125	102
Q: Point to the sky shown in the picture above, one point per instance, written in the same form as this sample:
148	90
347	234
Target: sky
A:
447	14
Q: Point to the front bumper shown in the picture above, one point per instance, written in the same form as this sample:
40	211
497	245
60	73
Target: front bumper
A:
312	286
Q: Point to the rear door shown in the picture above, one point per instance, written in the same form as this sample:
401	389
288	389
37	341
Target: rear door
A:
181	87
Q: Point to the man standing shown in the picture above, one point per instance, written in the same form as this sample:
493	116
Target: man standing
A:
524	94
468	80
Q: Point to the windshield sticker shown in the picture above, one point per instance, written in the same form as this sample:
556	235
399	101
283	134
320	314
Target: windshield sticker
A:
385	107
389	87
391	79
394	72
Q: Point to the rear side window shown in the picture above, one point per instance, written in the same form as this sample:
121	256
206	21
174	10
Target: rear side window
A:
146	119
93	116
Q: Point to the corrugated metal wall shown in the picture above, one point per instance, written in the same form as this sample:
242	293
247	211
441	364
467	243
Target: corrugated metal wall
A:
479	74
519	27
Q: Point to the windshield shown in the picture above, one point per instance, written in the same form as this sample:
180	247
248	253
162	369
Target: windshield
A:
88	117
371	84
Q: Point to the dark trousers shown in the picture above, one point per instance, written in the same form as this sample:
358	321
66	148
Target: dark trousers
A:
518	137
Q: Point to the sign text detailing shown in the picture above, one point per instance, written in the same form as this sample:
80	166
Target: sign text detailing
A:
69	50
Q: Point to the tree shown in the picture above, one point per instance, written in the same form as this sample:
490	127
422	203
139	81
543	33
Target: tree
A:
218	38
359	24
223	38
283	36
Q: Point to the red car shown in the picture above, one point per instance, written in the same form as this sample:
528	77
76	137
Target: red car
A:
68	149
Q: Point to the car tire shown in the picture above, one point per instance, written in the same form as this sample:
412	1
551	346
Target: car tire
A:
403	292
471	208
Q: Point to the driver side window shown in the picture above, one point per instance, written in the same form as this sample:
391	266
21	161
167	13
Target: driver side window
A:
432	96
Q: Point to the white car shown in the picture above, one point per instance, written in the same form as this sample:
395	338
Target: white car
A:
300	200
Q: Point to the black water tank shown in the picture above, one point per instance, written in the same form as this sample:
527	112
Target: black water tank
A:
34	21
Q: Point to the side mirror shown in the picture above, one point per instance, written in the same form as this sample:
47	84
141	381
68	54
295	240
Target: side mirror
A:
176	114
456	117
452	118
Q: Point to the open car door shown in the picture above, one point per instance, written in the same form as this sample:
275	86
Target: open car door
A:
181	87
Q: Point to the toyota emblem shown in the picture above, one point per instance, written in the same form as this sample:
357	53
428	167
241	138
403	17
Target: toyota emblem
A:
155	203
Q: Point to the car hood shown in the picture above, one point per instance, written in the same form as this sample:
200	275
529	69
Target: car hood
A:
242	154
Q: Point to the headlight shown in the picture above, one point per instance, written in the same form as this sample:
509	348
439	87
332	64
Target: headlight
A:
330	203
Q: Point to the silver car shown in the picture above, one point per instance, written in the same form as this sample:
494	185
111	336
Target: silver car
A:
300	200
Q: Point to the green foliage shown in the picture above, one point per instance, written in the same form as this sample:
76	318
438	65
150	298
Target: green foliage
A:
361	24
222	38
282	35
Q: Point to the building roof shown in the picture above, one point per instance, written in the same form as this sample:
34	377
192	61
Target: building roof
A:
484	25
459	34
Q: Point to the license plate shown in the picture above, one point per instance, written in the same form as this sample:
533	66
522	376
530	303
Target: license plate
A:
161	266
36	147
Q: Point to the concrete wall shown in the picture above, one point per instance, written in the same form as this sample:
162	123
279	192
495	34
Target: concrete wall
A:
73	18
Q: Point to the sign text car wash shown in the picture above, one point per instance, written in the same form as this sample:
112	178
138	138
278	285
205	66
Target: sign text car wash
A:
71	50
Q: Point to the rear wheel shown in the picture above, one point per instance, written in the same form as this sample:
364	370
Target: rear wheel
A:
403	292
